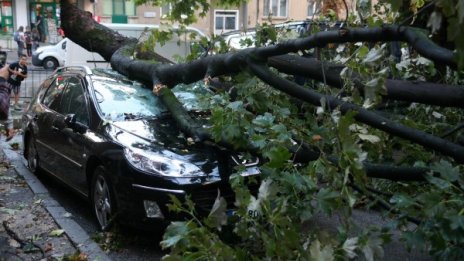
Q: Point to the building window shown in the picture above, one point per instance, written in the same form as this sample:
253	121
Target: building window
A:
165	9
119	7
314	7
225	20
276	8
6	17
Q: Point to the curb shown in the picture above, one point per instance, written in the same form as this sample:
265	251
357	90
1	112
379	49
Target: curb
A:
73	230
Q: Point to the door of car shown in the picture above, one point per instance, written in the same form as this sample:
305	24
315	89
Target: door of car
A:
44	134
66	135
70	128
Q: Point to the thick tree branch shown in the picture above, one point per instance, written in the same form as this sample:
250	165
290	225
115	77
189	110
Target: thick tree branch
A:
386	33
370	118
412	91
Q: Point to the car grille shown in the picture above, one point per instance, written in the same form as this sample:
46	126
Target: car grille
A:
204	198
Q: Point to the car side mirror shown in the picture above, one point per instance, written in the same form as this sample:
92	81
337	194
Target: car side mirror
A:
71	122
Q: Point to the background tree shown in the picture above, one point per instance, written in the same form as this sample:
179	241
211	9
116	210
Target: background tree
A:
335	142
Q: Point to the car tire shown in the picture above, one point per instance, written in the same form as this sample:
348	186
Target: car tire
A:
50	63
32	155
102	199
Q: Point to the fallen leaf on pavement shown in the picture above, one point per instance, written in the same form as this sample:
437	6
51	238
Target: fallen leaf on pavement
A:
56	233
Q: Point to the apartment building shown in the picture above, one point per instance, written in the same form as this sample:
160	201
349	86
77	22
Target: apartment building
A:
219	19
14	13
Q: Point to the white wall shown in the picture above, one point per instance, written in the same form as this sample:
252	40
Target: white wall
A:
20	13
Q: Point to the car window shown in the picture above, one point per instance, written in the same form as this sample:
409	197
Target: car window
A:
52	98
73	100
120	100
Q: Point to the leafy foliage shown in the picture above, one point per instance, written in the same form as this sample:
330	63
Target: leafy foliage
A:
275	222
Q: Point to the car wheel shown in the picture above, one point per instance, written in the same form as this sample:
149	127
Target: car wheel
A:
32	156
50	63
102	199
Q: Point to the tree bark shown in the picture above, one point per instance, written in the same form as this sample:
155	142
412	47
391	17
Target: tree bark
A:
411	91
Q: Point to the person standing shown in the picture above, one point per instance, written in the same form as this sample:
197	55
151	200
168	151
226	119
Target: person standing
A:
39	24
5	113
52	31
19	38
18	72
35	39
28	40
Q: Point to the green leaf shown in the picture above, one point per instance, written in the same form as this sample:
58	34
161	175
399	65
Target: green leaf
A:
349	246
259	141
456	221
362	51
277	156
402	201
326	198
236	105
175	232
318	254
370	138
56	233
446	170
438	182
373	249
265	120
29	247
373	55
217	216
415	239
434	22
9	211
266	189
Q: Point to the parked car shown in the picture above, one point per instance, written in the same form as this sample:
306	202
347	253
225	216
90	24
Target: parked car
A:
236	39
113	141
239	39
69	53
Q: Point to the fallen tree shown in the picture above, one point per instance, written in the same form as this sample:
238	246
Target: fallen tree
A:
345	147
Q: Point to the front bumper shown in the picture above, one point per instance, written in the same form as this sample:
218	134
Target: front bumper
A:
133	205
36	61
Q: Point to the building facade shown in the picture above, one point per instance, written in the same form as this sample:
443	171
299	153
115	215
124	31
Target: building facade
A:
15	13
220	19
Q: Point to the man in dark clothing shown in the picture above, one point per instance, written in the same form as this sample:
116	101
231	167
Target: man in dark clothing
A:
39	25
18	72
5	115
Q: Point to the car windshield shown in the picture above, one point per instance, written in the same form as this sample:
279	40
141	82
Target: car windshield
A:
122	99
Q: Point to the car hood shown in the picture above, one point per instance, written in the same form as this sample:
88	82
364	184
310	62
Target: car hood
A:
161	136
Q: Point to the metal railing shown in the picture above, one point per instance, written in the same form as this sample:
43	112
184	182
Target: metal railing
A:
31	85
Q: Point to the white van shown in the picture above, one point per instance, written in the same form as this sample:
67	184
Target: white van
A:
68	53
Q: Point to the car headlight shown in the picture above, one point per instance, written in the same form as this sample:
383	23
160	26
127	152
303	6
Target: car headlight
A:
161	165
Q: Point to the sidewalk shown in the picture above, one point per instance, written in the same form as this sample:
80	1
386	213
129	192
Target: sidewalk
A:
33	225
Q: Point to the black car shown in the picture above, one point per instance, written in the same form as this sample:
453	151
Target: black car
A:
113	141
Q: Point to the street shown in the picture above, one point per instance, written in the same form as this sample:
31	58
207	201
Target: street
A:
125	245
